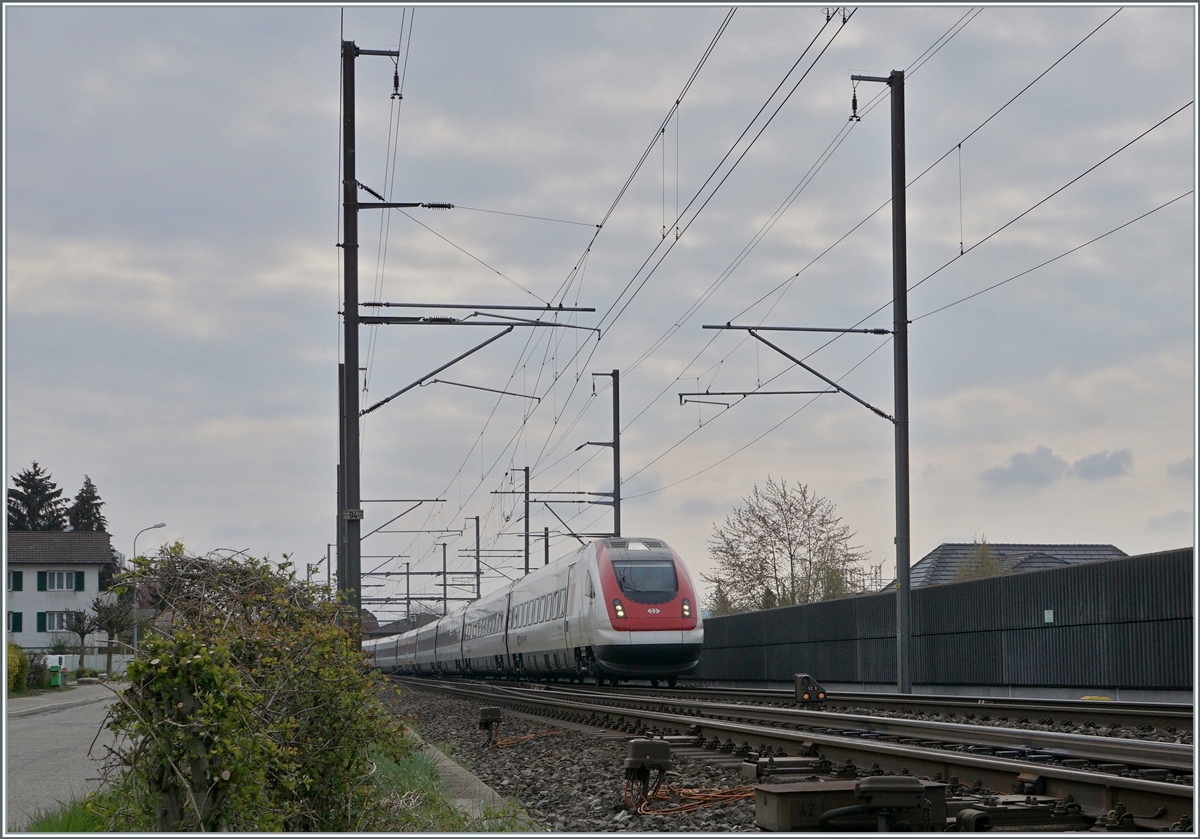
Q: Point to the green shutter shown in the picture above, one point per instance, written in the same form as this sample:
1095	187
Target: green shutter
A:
16	621
41	586
41	616
79	581
18	580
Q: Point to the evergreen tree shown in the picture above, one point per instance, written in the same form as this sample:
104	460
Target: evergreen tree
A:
720	604
35	503
980	563
84	513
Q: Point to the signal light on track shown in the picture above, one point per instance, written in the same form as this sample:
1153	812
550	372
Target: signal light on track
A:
808	689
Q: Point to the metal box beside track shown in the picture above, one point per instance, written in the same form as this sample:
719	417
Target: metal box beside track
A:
800	806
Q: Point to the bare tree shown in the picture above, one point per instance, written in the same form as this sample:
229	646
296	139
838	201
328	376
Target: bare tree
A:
82	624
113	617
786	546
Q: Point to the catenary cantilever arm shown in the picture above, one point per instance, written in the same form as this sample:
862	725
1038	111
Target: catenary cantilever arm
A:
430	375
825	379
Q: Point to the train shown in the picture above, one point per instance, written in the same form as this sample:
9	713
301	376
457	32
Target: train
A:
614	609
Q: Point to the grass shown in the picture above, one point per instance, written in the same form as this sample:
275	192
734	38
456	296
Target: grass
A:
407	798
411	797
74	817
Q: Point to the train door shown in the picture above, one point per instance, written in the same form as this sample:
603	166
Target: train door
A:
509	664
576	628
563	602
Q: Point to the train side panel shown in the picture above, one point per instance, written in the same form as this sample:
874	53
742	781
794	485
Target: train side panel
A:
484	643
536	639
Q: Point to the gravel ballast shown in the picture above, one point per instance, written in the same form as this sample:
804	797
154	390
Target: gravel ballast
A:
569	781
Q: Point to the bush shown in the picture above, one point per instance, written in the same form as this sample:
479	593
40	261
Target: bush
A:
250	706
18	668
84	673
39	672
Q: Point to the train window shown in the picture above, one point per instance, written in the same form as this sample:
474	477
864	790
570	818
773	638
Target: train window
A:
591	590
647	580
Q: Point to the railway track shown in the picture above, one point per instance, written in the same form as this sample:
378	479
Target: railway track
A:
996	775
1130	715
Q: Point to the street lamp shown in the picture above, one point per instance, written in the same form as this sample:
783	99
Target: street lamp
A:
135	598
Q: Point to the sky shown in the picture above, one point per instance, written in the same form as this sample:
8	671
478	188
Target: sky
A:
173	276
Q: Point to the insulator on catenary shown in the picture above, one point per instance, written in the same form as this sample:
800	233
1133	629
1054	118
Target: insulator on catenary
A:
438	206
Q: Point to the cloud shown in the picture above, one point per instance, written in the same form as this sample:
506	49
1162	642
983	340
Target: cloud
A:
1178	521
1185	469
1097	467
1036	469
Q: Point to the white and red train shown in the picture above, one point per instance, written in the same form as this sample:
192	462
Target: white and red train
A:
621	608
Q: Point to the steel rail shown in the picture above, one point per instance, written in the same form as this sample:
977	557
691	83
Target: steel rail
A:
1128	714
1174	756
1097	792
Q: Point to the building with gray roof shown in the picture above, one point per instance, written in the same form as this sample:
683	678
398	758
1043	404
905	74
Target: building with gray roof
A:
947	561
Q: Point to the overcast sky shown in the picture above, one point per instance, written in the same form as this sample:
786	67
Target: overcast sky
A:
173	277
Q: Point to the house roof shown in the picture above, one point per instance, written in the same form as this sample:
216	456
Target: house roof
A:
71	547
941	565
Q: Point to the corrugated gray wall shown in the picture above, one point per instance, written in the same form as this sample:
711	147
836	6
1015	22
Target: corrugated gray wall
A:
1123	623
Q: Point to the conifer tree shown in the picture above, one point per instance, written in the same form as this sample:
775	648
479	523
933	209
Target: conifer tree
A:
35	503
84	513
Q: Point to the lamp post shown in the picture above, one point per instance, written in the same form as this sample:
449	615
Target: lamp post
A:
135	598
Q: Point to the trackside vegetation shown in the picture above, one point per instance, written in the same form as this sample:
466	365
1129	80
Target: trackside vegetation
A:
250	708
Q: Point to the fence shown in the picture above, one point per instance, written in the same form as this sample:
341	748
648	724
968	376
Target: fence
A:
1120	624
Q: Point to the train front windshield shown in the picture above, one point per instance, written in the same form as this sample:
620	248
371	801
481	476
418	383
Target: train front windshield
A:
647	580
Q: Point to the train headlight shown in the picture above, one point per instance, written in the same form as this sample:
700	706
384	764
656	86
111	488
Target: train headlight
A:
687	608
618	608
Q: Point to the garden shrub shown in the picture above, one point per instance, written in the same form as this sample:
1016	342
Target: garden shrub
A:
38	676
18	668
250	706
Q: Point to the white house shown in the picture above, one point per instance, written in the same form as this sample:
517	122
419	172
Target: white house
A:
49	575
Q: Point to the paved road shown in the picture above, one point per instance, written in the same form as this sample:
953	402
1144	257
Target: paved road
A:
48	758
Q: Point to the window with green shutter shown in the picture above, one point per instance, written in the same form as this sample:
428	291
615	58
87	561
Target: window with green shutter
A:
41	620
79	581
16	580
14	621
41	586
